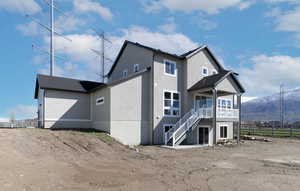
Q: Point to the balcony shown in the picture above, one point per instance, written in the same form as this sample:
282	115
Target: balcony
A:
221	113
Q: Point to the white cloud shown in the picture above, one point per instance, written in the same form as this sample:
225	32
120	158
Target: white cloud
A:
210	7
289	21
86	63
205	24
170	25
23	111
85	6
20	6
29	29
246	5
268	72
69	23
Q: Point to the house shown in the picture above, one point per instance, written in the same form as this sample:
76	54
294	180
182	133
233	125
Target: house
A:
151	97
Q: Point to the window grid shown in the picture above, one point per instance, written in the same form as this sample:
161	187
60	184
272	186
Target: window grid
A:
171	104
223	131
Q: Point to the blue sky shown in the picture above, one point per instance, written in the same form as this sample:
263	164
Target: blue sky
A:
258	39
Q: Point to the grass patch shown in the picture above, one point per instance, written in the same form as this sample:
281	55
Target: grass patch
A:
271	133
103	137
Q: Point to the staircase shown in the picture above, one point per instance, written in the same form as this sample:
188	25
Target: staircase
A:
186	124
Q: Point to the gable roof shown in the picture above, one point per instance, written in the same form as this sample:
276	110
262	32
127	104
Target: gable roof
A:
214	80
66	84
181	57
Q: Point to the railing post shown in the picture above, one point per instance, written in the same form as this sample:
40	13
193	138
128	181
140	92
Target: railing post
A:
173	140
240	116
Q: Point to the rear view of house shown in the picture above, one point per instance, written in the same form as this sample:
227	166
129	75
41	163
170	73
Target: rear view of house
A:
151	97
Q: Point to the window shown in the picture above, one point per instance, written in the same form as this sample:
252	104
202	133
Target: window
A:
100	101
225	103
171	104
204	71
170	68
136	68
125	73
223	131
214	72
168	127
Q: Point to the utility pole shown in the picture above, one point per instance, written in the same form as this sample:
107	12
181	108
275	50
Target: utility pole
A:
51	37
282	106
101	53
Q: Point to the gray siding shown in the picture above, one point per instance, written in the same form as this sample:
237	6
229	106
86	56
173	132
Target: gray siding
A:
41	108
131	55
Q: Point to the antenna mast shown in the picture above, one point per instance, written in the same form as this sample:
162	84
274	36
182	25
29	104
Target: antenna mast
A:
52	60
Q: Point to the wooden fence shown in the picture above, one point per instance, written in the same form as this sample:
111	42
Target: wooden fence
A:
271	131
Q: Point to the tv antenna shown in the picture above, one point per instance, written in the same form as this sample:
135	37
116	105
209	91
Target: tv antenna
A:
52	31
101	52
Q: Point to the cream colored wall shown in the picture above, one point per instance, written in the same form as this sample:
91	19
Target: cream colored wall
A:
229	129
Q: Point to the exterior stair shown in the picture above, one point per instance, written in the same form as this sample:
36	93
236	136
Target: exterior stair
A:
184	126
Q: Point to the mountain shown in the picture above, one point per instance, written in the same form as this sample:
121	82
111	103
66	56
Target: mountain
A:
268	108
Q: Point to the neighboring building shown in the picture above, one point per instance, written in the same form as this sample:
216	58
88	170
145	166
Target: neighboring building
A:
151	97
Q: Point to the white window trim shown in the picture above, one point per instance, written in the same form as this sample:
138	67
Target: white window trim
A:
98	99
171	108
203	67
223	125
214	70
172	62
123	72
138	68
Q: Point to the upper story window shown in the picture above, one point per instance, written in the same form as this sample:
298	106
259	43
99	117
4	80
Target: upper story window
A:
170	68
225	103
136	68
204	71
125	73
171	103
213	72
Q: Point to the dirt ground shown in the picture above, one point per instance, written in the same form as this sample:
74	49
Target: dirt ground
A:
42	160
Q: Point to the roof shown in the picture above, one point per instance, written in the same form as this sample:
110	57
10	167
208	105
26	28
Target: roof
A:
181	57
66	84
214	80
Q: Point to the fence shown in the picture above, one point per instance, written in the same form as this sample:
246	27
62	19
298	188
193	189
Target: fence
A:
271	131
18	124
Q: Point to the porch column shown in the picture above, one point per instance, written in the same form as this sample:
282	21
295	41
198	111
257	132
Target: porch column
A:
240	117
214	119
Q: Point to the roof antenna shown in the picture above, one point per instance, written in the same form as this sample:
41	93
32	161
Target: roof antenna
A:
101	53
52	31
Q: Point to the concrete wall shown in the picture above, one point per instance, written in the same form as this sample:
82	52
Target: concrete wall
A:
101	113
131	55
130	113
65	109
164	82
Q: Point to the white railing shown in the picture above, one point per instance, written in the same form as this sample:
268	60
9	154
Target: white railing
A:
188	120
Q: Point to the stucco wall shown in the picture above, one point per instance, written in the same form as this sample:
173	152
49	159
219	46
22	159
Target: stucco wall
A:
67	107
101	113
130	117
131	55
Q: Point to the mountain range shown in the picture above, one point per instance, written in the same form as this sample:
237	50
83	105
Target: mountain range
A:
268	108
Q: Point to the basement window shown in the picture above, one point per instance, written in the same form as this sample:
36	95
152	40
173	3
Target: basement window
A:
168	127
100	101
223	132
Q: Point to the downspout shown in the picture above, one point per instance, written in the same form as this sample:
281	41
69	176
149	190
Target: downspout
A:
214	119
152	100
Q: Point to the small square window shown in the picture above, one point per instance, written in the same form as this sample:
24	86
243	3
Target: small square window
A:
168	127
170	67
167	95
100	101
204	71
175	96
136	68
124	73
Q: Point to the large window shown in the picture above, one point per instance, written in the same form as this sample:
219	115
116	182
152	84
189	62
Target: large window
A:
170	68
171	103
223	131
